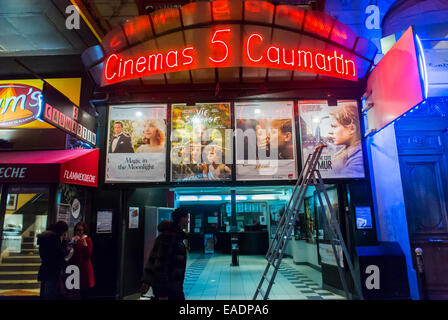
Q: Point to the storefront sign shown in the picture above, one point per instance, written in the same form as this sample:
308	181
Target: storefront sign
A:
201	147
65	115
78	167
265	141
224	50
28	173
71	176
19	104
13	173
338	128
136	150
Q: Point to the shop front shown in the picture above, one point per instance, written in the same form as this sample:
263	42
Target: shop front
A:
215	106
46	174
405	113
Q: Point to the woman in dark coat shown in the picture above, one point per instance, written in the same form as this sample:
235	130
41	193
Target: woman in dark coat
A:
52	251
82	245
165	268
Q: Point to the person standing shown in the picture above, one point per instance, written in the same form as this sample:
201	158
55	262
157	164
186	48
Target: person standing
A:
120	142
52	251
82	246
165	268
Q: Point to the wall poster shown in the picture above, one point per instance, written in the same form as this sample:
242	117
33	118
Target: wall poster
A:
265	141
104	222
136	149
337	127
201	142
133	217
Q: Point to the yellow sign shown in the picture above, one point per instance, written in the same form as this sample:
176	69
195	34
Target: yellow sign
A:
21	101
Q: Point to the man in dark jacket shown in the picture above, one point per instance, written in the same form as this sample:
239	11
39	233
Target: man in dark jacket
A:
165	268
52	251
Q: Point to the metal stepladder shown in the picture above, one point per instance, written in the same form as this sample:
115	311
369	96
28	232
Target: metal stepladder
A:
309	176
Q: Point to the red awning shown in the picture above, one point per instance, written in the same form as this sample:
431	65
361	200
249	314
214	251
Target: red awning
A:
66	166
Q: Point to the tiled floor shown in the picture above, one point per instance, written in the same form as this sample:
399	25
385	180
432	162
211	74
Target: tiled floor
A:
211	277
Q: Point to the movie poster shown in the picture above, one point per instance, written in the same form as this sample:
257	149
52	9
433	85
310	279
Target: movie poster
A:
136	149
337	127
265	141
201	142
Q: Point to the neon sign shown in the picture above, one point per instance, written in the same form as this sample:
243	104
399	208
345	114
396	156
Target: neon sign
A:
221	52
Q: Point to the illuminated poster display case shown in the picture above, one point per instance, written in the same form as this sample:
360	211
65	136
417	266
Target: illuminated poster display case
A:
201	146
136	145
231	142
265	140
338	127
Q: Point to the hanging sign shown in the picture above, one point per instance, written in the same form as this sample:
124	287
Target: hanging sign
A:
65	115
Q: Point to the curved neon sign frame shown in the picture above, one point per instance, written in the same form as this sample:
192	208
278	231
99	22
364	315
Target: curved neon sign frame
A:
222	52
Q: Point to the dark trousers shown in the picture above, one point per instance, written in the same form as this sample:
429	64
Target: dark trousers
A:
49	290
179	295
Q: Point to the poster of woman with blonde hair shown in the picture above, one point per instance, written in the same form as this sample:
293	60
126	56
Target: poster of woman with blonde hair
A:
153	137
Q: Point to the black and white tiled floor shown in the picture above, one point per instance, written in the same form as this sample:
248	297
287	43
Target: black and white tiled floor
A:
311	289
193	272
211	277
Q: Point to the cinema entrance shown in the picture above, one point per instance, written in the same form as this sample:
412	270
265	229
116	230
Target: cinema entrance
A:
224	100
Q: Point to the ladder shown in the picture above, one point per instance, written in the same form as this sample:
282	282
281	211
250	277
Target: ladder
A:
309	176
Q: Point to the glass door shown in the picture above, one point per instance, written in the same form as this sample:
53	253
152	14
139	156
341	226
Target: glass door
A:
25	216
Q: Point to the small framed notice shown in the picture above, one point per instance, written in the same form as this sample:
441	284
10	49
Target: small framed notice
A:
133	217
363	218
104	221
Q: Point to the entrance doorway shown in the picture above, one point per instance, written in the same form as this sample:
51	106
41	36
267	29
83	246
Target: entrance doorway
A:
422	142
24	216
308	270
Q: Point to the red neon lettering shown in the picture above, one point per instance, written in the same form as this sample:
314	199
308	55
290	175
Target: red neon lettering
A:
119	68
248	44
187	56
132	66
278	54
140	63
336	58
221	42
107	65
258	55
168	57
353	67
323	59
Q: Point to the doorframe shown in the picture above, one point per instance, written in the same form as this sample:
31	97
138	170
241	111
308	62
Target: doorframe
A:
4	194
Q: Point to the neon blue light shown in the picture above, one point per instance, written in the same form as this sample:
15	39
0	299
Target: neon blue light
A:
422	64
238	198
264	197
393	122
188	198
41	108
210	198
